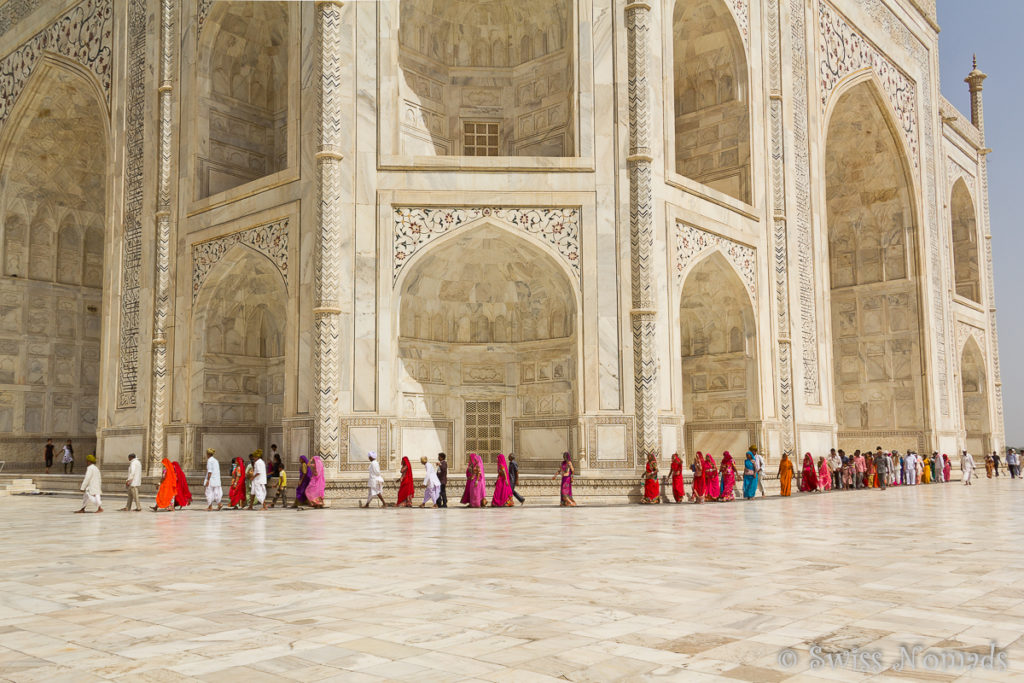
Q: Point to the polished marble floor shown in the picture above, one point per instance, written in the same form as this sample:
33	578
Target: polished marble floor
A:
604	593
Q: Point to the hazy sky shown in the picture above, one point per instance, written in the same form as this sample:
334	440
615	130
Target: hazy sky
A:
991	28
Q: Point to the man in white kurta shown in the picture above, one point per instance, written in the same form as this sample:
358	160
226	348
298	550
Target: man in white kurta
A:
259	480
966	467
214	494
92	485
431	484
132	483
375	482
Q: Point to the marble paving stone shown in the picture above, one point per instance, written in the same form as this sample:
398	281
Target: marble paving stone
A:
592	594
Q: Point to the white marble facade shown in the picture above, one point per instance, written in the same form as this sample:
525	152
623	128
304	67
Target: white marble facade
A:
407	226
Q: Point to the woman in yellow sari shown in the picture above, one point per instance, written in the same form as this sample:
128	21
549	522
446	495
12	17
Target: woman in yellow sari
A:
926	476
786	475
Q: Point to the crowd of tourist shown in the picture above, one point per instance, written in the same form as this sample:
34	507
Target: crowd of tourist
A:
251	484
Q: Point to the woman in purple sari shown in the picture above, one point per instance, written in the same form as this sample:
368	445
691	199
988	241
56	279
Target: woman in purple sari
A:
317	483
566	471
300	490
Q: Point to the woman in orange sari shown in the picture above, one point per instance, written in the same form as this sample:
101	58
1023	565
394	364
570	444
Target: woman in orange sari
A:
676	473
168	487
786	475
406	489
652	488
236	493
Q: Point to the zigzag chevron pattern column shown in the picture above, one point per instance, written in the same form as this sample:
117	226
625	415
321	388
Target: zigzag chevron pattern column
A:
328	311
162	307
783	349
641	228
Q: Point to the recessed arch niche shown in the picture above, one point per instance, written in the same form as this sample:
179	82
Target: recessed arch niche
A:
974	398
718	345
487	78
966	271
238	343
243	94
486	315
711	98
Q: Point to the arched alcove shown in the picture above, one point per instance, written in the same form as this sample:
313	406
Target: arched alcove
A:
974	395
876	337
487	340
965	242
243	91
712	97
486	77
52	186
718	344
238	338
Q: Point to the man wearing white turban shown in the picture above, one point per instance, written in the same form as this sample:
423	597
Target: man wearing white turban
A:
376	483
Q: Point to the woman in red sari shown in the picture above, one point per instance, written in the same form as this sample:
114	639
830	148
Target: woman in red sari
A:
711	490
676	473
698	479
652	488
182	495
406	489
728	472
809	475
236	494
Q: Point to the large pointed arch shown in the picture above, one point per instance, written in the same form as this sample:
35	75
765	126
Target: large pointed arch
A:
54	152
487	347
718	346
964	234
712	98
874	275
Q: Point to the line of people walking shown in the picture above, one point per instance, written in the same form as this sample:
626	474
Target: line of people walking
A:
252	483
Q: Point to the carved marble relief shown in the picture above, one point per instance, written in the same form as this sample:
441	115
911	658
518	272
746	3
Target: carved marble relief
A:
414	228
82	34
844	51
692	244
269	239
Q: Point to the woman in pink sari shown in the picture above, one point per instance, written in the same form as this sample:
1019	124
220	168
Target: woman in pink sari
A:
566	471
947	467
711	490
824	475
502	488
728	472
697	489
317	483
476	486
